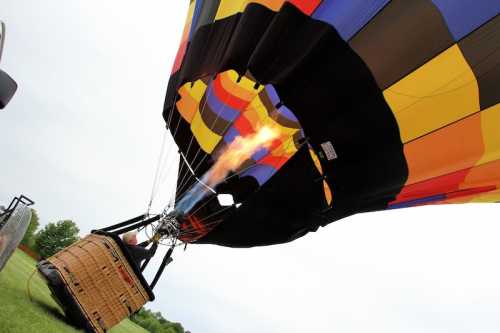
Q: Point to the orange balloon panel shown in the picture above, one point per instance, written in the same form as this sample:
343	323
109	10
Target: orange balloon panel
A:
453	148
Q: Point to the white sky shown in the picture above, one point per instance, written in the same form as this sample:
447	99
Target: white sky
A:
82	137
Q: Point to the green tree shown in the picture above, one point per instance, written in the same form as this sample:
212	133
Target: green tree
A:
154	322
28	238
56	236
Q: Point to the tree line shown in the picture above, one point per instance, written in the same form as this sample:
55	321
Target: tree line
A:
154	322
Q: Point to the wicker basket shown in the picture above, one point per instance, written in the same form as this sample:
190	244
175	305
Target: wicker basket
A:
96	282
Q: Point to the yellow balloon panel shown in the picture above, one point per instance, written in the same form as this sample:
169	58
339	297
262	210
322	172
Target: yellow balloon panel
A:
490	120
493	196
190	99
206	138
440	92
243	89
231	7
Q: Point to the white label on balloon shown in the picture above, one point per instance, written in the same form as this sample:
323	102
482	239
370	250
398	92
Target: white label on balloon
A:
330	152
225	199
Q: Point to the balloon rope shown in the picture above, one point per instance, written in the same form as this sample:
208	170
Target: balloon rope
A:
199	181
158	166
28	285
169	161
171	112
166	173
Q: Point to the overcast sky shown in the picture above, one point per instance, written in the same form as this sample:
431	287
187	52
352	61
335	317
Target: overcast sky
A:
82	138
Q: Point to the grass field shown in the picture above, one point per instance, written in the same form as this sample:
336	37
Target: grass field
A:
20	315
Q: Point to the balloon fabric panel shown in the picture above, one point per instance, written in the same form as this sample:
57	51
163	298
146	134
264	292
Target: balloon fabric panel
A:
464	16
185	38
442	91
396	41
348	16
481	49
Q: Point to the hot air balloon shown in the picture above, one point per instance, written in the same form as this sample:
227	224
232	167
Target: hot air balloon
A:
290	115
378	105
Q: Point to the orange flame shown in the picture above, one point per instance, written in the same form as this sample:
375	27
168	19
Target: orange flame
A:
240	150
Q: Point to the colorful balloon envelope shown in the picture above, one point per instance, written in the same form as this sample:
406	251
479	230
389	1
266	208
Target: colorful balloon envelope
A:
371	105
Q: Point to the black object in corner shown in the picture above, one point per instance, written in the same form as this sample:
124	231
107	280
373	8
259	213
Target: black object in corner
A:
8	88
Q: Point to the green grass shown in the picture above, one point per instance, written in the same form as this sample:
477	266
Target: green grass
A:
20	315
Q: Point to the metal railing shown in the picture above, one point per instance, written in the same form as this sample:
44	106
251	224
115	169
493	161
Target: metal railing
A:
6	213
15	221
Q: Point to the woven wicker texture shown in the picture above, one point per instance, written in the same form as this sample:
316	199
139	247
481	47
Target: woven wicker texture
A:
101	280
